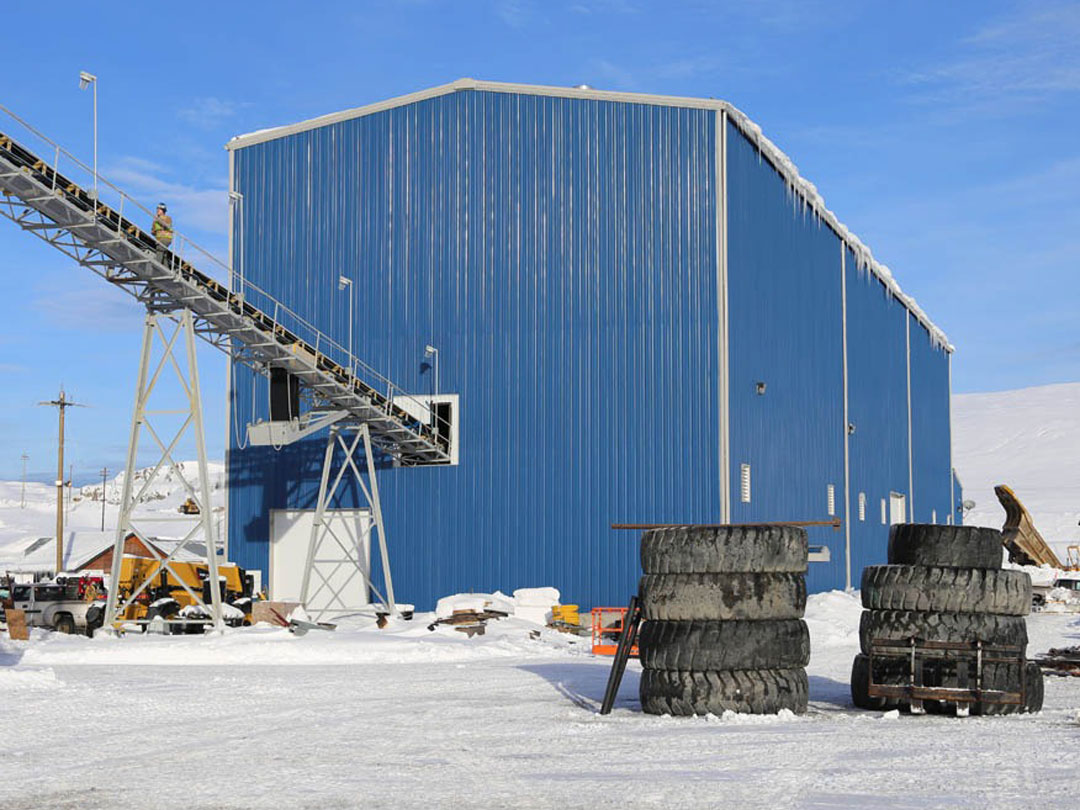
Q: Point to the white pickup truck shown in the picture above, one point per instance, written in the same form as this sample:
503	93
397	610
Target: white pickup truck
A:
47	604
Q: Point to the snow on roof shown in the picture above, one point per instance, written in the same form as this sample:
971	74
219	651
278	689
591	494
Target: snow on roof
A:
29	556
783	164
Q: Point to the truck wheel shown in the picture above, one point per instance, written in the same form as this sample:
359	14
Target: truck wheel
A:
903	625
722	597
750	691
702	646
948	590
64	623
945	546
713	550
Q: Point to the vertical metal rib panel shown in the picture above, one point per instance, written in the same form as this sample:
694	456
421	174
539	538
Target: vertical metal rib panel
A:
930	429
785	331
560	254
877	407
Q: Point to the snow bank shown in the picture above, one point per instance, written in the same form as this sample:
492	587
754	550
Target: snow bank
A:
833	619
478	602
528	604
13	680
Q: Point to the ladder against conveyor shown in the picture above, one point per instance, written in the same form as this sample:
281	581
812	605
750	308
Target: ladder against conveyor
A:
40	195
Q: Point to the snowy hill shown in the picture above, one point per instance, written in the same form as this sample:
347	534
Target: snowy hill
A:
21	529
1030	440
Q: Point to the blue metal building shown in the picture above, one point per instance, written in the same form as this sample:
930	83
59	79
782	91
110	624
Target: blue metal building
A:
646	314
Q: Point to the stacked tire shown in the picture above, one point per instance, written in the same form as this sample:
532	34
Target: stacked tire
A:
945	583
723	628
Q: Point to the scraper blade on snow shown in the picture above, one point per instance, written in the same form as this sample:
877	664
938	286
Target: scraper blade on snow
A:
299	627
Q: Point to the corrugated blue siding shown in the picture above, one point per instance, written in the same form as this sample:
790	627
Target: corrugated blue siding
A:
877	407
561	255
785	330
930	429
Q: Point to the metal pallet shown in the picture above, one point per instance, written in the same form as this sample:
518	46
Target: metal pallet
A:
254	328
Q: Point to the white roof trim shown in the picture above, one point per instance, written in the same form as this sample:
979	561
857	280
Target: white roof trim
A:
807	190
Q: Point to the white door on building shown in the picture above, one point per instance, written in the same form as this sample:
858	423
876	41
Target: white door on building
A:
290	536
897	508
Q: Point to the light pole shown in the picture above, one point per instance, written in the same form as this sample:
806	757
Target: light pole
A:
431	351
25	458
104	472
85	80
342	283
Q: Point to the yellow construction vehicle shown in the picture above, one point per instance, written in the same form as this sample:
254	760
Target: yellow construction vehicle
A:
188	507
168	591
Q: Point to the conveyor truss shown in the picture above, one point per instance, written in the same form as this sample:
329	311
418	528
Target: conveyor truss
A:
48	192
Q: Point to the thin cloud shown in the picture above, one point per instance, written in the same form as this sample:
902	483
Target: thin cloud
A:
79	306
191	208
515	13
209	112
646	78
1021	61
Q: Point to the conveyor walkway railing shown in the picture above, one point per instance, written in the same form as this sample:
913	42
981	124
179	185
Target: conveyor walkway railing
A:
38	194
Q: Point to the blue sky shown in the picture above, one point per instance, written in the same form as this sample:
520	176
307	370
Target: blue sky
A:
943	134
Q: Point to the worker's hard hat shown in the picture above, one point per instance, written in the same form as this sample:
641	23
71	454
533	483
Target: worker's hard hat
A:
162	206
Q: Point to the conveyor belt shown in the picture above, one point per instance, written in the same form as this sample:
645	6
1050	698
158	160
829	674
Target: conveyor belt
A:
41	200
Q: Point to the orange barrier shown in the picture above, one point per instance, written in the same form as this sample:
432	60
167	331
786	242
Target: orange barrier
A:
607	626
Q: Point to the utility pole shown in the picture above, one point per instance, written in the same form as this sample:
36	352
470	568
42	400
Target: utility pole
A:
104	472
25	458
62	403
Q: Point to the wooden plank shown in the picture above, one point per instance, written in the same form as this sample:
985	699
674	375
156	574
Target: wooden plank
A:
264	612
16	622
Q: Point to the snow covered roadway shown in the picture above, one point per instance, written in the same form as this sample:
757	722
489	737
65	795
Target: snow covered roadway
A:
410	718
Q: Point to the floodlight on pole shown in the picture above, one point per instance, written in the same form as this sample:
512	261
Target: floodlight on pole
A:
431	351
85	80
343	282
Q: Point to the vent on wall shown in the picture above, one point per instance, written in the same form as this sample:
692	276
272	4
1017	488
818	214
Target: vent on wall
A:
744	483
830	499
862	506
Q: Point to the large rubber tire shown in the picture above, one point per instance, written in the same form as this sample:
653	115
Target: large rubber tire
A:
701	646
1006	678
903	625
886	672
747	691
722	597
951	590
717	550
996	676
945	546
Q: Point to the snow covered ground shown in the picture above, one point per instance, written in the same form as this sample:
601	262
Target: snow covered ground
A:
407	717
412	718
